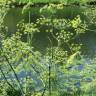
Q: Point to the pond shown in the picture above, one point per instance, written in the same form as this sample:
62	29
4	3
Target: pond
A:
40	40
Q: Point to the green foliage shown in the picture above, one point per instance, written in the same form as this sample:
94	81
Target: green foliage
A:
51	1
49	74
3	11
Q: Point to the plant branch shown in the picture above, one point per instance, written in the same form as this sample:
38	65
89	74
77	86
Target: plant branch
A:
6	78
20	86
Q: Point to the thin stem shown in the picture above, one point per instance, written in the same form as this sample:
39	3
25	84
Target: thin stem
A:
29	17
88	29
6	78
44	89
20	86
50	65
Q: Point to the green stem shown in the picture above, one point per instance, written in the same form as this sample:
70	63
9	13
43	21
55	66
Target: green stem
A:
20	86
50	65
6	78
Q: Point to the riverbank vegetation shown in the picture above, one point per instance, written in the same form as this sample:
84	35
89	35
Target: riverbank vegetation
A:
63	66
66	2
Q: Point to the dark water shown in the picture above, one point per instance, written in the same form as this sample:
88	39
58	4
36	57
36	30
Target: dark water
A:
41	42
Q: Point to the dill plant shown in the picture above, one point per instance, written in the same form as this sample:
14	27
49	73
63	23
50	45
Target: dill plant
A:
53	73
